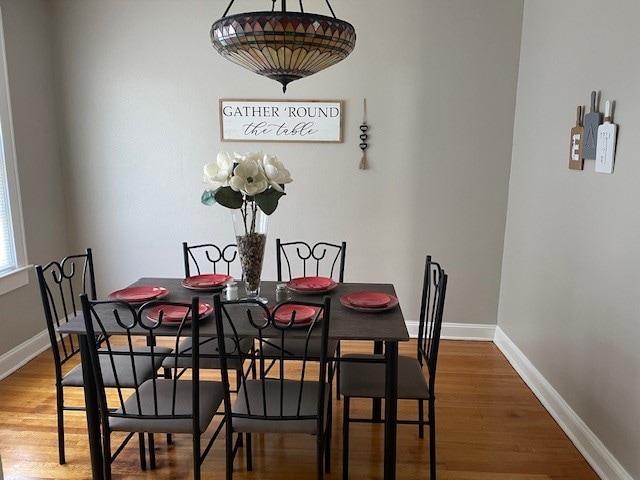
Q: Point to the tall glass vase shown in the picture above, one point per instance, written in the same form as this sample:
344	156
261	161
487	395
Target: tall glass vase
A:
250	226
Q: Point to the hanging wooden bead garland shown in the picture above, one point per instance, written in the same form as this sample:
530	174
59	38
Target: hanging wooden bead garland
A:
363	138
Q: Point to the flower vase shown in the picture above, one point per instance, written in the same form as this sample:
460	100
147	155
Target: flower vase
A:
250	226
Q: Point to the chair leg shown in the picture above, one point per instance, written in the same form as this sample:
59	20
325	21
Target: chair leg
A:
197	466
143	456
249	453
319	456
421	419
327	437
239	374
229	447
345	439
336	366
60	408
167	375
432	439
327	454
106	455
152	452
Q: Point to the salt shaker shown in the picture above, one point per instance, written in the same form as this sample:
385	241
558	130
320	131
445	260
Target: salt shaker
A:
230	292
282	292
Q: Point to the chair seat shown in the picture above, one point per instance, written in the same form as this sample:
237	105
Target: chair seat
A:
270	423
144	368
367	380
295	348
209	346
211	397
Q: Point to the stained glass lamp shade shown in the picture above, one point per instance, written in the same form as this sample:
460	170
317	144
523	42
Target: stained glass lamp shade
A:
284	46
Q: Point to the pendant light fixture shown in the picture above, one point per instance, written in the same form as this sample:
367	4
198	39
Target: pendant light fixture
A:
283	45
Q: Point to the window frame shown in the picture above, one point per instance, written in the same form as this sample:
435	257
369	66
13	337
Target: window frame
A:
19	276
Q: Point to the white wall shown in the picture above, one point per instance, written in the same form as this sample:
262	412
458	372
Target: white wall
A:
139	88
570	278
28	39
135	107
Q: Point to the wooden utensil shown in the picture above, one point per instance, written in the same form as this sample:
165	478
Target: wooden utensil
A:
592	121
576	162
606	149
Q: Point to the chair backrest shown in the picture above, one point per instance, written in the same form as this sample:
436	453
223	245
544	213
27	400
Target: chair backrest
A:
209	258
301	259
434	290
130	355
275	326
61	282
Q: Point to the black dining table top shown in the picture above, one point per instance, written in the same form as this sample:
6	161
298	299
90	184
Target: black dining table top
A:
346	323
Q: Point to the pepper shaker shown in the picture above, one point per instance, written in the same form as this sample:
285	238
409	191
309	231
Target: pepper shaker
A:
282	292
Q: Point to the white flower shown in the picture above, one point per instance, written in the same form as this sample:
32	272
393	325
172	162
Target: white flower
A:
275	172
255	156
248	177
217	174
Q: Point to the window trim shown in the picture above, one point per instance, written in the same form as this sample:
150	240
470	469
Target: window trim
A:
19	276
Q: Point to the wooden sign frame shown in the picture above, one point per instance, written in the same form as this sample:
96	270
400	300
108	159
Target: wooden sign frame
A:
281	120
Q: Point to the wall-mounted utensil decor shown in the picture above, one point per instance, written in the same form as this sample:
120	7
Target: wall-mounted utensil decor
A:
606	148
576	162
592	121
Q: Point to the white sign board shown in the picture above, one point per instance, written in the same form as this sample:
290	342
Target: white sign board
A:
281	121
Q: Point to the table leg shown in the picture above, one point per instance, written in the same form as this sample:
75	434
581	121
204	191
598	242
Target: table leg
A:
92	411
391	410
376	403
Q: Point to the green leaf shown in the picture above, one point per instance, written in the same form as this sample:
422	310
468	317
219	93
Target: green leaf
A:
208	197
268	200
228	197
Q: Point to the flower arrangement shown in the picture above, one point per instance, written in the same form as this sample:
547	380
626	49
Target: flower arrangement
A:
250	181
250	185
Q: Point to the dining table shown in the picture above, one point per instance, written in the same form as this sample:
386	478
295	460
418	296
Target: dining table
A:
385	327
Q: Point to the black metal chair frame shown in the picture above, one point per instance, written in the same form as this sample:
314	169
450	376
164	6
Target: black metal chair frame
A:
279	409
429	330
60	302
150	418
212	254
312	257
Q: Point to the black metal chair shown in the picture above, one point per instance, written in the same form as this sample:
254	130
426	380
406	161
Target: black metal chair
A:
60	284
208	257
301	259
157	405
286	400
363	376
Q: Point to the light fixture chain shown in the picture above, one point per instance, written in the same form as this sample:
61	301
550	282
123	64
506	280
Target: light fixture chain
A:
228	8
331	9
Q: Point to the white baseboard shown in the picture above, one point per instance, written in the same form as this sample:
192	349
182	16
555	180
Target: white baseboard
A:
589	445
20	355
458	331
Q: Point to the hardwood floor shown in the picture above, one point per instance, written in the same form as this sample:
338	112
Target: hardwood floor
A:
489	427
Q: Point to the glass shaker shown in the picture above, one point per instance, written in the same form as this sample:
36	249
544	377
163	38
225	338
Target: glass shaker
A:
282	292
230	291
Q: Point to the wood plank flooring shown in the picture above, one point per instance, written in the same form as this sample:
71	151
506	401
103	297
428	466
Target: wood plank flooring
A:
490	426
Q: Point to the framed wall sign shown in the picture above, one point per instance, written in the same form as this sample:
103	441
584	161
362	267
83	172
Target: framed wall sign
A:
281	120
